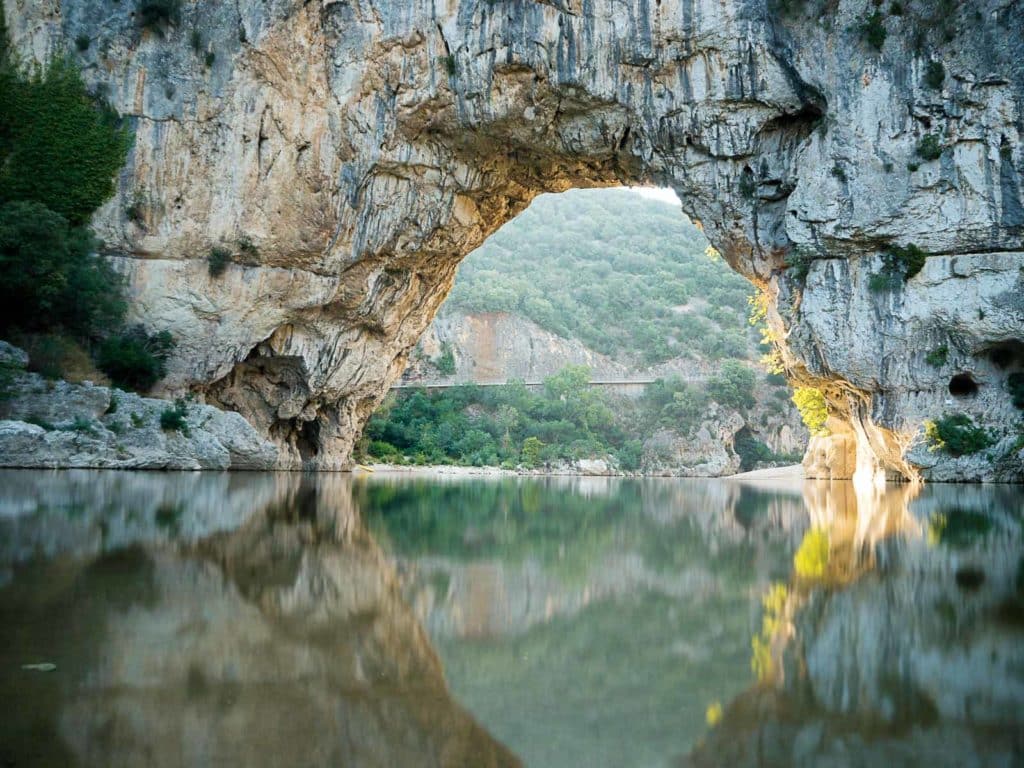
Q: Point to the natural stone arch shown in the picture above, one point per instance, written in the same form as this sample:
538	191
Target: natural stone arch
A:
365	147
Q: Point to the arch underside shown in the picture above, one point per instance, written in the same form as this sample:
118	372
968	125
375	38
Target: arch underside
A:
367	147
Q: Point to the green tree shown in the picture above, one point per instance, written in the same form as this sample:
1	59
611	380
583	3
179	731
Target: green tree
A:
135	359
733	386
58	146
49	277
531	452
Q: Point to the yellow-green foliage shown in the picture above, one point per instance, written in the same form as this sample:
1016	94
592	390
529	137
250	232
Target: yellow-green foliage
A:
813	409
531	451
811	559
771	360
713	714
774	606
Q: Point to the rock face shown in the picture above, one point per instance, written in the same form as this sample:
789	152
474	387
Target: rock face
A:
499	346
58	424
363	148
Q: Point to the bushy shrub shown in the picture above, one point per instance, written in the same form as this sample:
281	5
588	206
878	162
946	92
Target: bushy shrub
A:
898	265
873	30
930	147
247	247
750	450
380	449
935	75
813	408
82	424
218	261
937	357
157	15
631	455
909	259
172	419
50	278
733	386
135	360
445	364
82	43
957	435
60	147
531	452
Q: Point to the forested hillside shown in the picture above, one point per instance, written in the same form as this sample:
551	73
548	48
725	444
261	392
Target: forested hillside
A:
628	276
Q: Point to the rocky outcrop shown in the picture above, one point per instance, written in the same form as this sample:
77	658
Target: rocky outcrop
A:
364	148
499	346
59	424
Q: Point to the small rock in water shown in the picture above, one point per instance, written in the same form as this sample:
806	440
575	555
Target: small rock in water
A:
41	667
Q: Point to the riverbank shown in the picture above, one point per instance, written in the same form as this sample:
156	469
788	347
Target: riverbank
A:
55	424
784	474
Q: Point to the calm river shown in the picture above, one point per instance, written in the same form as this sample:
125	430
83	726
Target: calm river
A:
279	619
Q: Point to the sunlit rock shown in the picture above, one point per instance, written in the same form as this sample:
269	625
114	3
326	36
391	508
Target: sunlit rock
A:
364	148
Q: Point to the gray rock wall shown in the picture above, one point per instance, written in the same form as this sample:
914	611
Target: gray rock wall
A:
59	424
365	147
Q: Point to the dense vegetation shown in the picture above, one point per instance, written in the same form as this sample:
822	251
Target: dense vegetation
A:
60	150
957	434
627	276
514	425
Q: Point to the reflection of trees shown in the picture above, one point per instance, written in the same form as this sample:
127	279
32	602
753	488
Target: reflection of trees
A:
568	615
898	640
284	641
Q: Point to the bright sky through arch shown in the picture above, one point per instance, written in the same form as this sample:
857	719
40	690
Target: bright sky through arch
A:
661	194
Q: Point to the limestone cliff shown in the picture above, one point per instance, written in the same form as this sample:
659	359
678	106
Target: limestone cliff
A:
364	147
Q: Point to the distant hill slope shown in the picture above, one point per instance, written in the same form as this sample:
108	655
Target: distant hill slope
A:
627	276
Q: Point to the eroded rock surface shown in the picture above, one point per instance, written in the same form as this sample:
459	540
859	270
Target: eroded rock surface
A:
363	148
60	424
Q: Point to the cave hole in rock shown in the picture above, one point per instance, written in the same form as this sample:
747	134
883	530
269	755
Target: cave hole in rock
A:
1007	355
307	438
598	325
963	385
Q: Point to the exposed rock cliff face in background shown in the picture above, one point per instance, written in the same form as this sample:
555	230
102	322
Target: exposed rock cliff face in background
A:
366	147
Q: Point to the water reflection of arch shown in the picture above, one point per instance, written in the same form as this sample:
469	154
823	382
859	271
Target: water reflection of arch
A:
281	640
907	648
